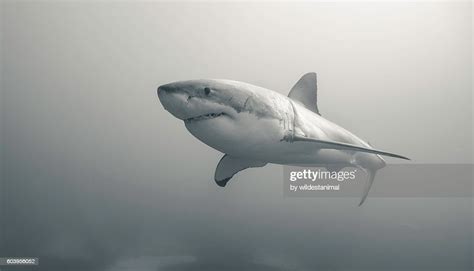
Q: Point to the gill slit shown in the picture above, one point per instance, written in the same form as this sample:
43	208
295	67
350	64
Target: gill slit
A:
292	130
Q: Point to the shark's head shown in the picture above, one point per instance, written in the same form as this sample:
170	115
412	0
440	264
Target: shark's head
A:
202	100
220	113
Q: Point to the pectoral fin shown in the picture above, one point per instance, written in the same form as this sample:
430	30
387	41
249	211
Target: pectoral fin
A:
228	166
325	144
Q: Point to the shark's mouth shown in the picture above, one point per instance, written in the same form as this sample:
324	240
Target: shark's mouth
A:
205	117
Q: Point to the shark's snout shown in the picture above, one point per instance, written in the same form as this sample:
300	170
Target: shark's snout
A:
172	100
166	88
166	92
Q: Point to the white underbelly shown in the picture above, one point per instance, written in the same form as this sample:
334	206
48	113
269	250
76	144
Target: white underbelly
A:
261	139
245	136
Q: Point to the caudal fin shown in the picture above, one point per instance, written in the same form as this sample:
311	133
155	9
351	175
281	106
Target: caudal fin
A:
368	184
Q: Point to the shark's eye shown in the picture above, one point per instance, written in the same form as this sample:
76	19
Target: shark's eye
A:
207	90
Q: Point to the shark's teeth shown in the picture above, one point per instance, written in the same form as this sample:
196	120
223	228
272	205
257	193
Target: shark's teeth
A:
206	116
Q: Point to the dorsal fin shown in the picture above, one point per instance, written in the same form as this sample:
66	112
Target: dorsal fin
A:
305	91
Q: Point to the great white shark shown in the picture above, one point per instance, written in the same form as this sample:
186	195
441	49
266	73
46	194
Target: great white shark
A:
254	126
